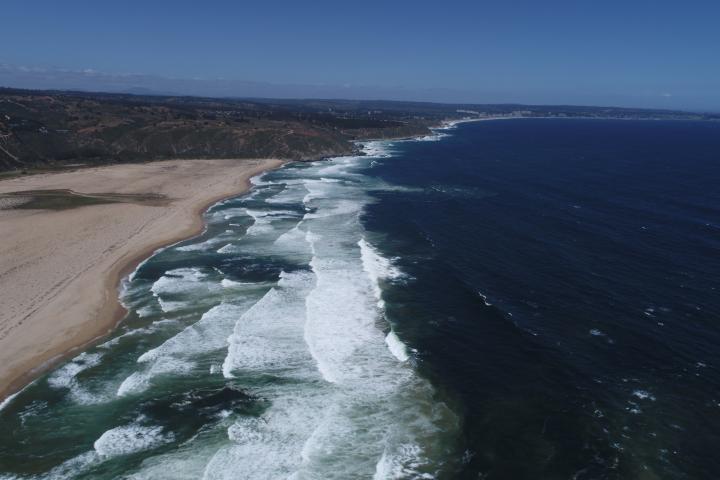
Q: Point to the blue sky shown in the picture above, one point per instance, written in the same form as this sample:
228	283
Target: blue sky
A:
636	53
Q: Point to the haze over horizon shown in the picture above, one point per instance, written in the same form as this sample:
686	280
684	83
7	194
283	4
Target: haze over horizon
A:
647	54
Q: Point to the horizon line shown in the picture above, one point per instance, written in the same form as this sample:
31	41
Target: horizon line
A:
152	93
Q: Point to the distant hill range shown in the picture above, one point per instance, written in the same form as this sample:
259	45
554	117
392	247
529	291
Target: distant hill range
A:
41	130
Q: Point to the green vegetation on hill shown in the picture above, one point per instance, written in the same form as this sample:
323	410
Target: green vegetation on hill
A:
52	129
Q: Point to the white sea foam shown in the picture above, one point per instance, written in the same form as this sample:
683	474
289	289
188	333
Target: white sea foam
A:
377	149
130	333
315	189
643	395
485	300
376	266
323	330
139	381
293	193
267	336
186	462
288	242
206	334
437	135
8	400
339	167
228	248
267	447
342	207
402	463
145	311
176	355
130	438
200	246
169	306
599	333
227	283
268	339
228	213
66	377
193	247
259	180
263	219
176	283
397	347
340	319
70	468
379	268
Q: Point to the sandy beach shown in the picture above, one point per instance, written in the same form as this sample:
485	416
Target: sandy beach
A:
60	269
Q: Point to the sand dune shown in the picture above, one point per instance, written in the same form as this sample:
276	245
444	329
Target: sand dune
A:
60	269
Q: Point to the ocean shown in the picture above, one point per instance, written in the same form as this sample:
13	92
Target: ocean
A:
515	299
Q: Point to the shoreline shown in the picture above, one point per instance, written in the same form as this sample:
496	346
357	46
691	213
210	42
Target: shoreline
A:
108	311
443	125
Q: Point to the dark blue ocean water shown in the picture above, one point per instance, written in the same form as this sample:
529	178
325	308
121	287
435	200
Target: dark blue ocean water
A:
565	292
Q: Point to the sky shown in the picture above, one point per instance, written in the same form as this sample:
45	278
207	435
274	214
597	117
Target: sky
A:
660	53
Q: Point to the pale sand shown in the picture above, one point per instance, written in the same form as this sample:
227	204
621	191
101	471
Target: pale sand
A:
60	270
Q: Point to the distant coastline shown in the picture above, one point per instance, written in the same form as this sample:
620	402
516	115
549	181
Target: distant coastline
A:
51	130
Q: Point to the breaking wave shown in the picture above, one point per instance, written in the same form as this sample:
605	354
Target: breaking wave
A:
288	310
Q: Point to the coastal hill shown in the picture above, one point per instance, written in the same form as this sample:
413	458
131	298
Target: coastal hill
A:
41	130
